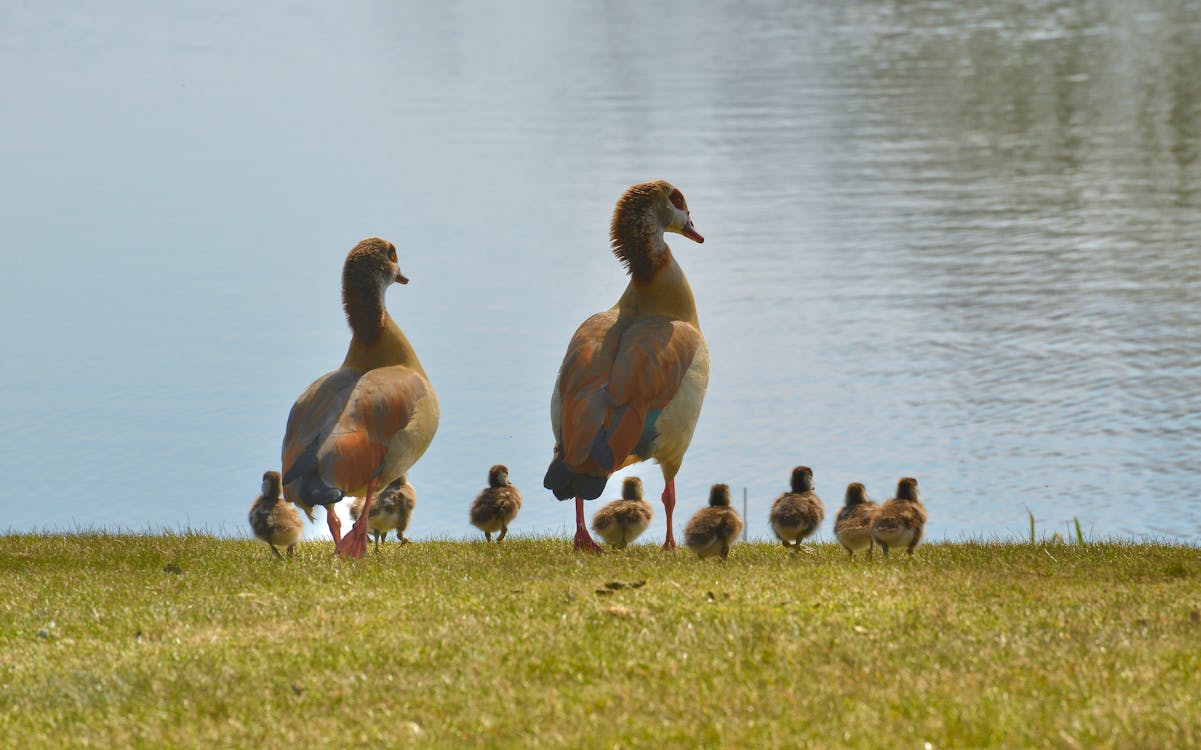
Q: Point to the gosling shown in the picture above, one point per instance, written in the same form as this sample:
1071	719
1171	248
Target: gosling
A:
797	514
391	509
853	524
273	519
900	521
622	521
712	530
496	507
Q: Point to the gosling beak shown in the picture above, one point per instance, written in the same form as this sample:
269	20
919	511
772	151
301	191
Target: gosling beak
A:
401	278
690	232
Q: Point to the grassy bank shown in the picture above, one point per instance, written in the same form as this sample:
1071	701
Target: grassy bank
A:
195	641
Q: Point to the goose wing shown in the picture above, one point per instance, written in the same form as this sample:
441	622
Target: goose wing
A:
615	378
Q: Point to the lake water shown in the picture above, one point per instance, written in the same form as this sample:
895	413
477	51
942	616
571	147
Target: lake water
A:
954	240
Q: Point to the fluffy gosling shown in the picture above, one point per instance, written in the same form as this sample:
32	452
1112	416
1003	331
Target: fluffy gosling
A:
797	514
622	521
391	509
853	524
712	530
496	507
900	521
273	519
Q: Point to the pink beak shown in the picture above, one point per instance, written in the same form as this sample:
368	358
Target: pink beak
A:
690	232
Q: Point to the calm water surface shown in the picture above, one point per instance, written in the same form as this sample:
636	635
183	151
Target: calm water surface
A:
955	242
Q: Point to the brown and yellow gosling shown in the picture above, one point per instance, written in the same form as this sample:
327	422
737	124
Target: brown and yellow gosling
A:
797	514
901	521
853	524
273	519
496	507
392	509
712	530
622	521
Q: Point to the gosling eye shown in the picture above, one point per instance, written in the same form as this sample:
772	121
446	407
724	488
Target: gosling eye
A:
392	254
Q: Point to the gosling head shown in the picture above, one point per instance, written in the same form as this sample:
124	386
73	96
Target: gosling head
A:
631	488
394	488
719	496
498	476
802	479
907	489
856	494
271	485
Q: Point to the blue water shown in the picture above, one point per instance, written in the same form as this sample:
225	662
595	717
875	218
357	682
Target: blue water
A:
960	243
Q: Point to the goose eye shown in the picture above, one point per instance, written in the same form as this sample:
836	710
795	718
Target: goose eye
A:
677	200
392	254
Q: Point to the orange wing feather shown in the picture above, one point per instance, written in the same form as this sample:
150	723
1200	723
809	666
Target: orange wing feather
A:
341	427
614	374
381	405
313	416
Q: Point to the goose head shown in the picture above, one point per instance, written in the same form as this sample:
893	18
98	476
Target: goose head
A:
643	214
371	267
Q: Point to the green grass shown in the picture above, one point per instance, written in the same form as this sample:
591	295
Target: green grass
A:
190	640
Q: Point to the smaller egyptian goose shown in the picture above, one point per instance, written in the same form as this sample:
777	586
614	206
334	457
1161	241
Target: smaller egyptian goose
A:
392	509
273	519
797	514
900	521
712	530
497	505
622	521
358	428
853	524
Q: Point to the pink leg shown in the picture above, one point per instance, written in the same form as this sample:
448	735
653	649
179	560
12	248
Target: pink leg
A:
334	523
354	544
583	540
669	507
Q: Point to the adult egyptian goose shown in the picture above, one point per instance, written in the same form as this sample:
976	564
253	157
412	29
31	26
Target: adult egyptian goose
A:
497	505
712	530
392	509
274	519
365	424
634	376
797	514
901	521
853	524
622	521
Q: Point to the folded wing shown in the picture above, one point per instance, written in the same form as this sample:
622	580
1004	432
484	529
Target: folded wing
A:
341	428
615	378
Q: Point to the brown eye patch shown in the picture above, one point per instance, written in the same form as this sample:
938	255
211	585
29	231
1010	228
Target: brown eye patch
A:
677	200
392	254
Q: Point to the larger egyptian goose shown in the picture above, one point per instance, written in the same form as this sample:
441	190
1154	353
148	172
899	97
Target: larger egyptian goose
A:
631	384
362	426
